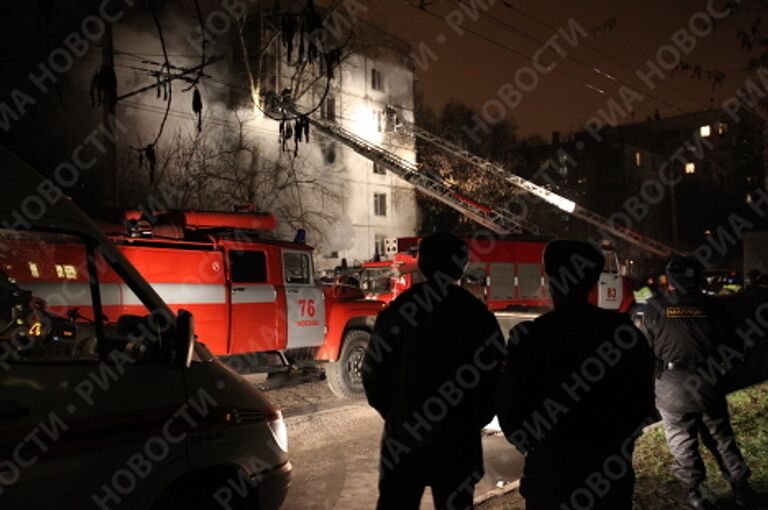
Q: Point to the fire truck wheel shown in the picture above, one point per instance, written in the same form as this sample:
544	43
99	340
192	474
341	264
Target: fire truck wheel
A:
345	375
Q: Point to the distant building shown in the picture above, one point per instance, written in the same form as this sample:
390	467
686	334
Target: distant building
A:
372	205
716	162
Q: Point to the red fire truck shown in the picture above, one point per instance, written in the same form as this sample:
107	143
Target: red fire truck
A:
503	273
255	301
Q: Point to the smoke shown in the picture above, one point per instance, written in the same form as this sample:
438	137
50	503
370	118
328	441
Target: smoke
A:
307	193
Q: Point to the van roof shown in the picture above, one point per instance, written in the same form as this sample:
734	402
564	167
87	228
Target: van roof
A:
33	202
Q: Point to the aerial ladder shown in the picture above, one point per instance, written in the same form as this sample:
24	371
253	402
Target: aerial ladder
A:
497	219
605	225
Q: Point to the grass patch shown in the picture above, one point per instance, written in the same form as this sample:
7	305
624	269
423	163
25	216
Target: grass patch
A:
657	489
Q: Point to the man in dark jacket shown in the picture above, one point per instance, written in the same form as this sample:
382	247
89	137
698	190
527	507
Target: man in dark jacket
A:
574	392
690	336
430	371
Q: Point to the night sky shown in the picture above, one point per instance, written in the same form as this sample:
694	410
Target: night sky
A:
471	69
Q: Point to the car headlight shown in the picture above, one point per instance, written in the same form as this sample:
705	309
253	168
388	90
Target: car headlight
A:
279	431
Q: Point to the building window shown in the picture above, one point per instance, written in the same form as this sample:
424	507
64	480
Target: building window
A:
705	131
376	81
690	168
638	159
329	153
328	109
722	128
379	170
379	118
380	204
378	244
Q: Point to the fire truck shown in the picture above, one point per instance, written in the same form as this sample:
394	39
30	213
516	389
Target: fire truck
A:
503	273
613	291
255	301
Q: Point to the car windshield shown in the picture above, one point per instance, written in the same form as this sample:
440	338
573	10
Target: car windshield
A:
56	305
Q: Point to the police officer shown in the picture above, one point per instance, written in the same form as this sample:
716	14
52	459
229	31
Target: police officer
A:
430	371
688	331
571	407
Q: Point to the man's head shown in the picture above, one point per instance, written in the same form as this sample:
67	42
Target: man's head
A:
573	268
684	273
445	254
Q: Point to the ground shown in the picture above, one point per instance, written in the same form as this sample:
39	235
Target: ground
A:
656	488
334	444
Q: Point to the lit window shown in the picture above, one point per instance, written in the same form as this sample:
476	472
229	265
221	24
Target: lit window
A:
380	204
690	168
722	128
34	270
66	271
749	198
705	130
638	159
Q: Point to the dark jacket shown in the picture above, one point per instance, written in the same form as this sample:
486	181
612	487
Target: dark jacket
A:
576	385
694	331
685	327
430	371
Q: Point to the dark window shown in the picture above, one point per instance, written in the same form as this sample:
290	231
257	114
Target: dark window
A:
378	244
328	110
376	81
378	169
248	266
380	204
329	153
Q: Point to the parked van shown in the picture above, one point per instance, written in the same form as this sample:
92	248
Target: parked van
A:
103	407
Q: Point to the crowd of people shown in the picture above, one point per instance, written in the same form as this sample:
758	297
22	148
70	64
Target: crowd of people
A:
573	389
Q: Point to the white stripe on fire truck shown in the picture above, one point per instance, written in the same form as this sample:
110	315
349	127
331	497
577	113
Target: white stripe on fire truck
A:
70	293
242	294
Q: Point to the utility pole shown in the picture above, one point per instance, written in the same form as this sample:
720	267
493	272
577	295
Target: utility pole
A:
111	197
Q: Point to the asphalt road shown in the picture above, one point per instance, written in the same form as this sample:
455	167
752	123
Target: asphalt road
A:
334	445
335	457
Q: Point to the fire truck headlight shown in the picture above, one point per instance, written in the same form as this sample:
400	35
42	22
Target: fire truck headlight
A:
279	431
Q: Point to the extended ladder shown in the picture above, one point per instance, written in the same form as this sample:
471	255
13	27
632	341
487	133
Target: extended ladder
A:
569	206
494	218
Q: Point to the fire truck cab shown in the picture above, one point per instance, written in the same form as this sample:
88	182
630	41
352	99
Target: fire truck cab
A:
503	273
256	302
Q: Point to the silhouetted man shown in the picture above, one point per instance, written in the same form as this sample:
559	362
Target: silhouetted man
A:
430	372
689	333
575	390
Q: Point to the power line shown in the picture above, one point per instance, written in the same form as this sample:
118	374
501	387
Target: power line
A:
577	60
605	55
508	48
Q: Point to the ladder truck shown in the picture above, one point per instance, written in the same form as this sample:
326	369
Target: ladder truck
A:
613	291
495	218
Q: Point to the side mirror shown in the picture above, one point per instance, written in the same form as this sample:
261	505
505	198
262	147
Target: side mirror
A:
184	340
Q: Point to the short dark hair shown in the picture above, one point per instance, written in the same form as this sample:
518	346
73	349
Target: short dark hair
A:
684	272
572	266
443	253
